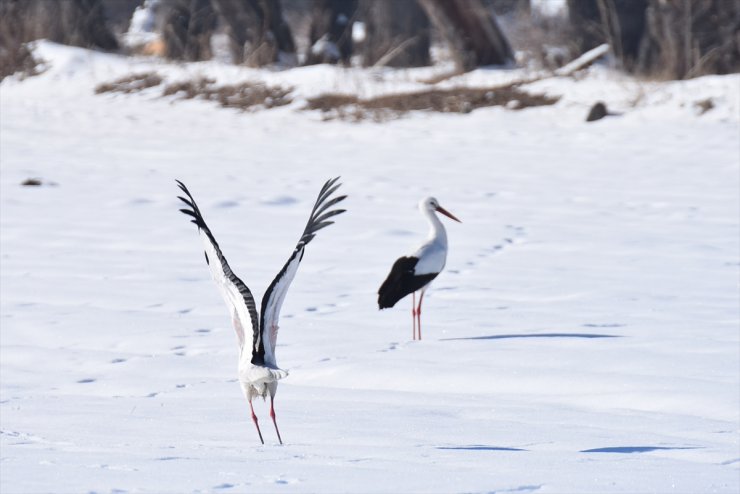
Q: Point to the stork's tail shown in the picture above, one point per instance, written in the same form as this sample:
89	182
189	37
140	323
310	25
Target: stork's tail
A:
258	374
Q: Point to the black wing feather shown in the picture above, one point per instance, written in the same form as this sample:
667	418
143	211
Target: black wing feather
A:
314	224
195	213
401	281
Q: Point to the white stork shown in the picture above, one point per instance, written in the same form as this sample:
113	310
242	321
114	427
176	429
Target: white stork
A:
258	370
410	274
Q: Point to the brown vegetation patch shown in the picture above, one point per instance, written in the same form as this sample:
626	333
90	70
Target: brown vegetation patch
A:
244	96
16	58
703	106
247	95
189	89
455	100
130	84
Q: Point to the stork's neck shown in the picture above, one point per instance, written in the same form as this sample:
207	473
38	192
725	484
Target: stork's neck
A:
437	232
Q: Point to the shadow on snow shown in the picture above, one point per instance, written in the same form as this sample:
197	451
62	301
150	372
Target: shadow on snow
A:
635	449
534	335
480	447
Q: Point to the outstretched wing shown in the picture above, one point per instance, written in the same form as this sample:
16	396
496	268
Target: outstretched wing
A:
275	294
237	296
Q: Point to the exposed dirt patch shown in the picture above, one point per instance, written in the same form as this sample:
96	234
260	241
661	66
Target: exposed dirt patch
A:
31	182
37	182
454	100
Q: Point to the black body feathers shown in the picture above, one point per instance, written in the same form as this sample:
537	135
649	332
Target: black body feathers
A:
401	281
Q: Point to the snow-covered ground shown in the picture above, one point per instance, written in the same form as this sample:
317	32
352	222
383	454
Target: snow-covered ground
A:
584	337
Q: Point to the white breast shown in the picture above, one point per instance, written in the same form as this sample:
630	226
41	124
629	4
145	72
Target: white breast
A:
432	257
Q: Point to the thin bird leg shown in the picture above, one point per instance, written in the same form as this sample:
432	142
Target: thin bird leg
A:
272	414
418	312
413	313
254	419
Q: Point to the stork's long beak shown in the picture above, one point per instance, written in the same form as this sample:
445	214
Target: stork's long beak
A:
442	210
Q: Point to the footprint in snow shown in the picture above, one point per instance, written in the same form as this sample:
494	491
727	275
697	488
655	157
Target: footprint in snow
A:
179	350
392	346
279	201
516	235
400	233
87	380
139	201
481	447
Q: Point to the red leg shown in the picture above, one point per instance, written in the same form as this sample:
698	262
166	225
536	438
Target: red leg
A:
254	419
413	313
418	313
272	414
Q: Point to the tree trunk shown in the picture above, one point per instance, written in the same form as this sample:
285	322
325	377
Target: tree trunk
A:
330	39
189	25
257	31
471	31
585	20
397	34
71	22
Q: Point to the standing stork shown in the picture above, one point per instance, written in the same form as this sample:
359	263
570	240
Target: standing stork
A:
258	370
413	273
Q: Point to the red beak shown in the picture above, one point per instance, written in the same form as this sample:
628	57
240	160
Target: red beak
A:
442	210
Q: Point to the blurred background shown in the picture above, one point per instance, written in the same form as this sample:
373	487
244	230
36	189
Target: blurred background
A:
650	38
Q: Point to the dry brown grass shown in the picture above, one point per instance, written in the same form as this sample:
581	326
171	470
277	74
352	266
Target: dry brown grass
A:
189	89
250	96
244	96
130	84
16	58
455	100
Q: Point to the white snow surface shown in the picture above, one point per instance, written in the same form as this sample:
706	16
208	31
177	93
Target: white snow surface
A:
584	337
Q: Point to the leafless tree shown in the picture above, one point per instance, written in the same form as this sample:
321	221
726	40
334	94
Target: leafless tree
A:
397	33
672	39
688	38
71	22
257	31
188	27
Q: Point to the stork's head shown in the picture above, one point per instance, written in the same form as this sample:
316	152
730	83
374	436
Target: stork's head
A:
432	204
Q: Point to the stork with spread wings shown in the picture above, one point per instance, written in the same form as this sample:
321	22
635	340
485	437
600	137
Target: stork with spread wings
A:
258	370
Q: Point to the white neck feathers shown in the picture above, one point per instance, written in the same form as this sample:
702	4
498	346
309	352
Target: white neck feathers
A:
437	232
